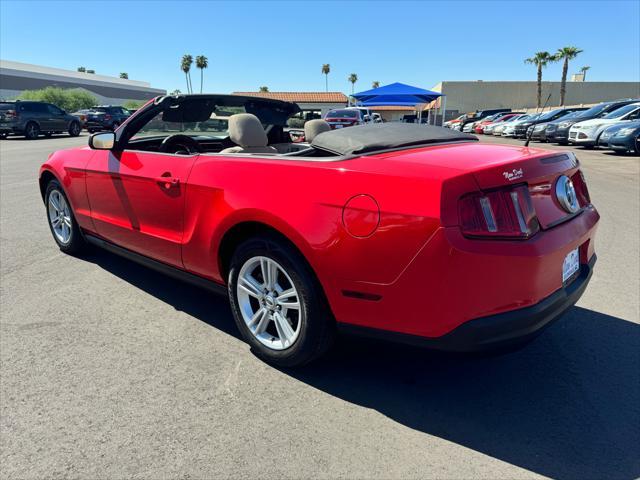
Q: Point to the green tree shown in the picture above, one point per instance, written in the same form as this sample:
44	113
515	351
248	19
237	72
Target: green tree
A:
583	71
82	69
133	104
540	60
375	84
566	54
353	78
67	99
202	62
264	89
185	66
124	75
326	69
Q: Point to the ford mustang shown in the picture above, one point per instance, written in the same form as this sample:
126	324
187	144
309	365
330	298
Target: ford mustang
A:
411	232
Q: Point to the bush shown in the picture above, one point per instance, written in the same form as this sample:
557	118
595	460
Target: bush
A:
69	99
133	104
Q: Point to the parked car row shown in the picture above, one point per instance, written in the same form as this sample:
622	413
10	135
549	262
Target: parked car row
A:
612	125
32	119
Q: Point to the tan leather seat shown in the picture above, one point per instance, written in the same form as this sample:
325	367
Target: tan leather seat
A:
245	130
315	127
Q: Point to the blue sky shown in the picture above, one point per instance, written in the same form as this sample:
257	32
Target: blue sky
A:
283	44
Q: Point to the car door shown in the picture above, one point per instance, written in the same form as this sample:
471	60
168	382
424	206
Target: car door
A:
40	113
57	119
137	200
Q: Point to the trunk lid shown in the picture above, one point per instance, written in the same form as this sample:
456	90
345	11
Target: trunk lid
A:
540	174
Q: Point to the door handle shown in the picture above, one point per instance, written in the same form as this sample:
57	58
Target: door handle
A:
168	182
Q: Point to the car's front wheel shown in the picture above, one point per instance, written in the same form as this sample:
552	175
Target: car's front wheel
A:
278	304
74	129
62	223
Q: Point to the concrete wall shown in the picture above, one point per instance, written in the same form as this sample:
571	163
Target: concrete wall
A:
471	96
15	77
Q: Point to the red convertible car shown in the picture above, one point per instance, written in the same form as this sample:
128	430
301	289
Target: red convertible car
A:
413	232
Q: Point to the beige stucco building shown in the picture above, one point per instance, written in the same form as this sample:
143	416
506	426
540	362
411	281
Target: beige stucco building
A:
465	96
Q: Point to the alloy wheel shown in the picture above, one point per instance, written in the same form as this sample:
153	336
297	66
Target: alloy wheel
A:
59	217
269	303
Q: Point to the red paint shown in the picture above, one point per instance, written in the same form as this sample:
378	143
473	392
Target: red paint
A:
430	276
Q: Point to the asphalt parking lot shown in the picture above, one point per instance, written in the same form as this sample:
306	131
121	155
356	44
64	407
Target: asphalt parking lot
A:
109	370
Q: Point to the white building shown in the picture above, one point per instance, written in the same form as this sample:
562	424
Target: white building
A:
16	77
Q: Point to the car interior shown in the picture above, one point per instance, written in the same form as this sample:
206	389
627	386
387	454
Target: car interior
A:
224	124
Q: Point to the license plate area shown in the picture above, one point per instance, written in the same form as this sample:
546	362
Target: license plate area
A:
570	266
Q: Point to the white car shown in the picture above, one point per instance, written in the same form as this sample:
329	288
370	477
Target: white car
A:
468	128
510	129
587	133
499	127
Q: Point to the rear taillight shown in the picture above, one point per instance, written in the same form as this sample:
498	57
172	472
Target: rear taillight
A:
107	117
10	114
504	213
580	186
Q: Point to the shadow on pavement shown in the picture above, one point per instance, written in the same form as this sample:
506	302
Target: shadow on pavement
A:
206	306
567	406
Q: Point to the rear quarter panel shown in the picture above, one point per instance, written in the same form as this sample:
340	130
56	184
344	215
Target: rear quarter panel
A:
304	200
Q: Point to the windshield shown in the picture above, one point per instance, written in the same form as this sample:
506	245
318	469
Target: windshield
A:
594	111
621	111
546	116
570	115
342	114
529	117
99	109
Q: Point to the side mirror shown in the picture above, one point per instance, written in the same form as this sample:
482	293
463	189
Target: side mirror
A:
102	141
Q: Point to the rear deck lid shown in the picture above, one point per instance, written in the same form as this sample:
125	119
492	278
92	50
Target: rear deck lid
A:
541	173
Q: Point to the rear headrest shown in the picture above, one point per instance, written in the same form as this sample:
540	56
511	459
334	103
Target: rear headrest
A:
315	127
246	130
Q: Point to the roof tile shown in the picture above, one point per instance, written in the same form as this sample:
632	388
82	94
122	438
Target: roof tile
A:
300	97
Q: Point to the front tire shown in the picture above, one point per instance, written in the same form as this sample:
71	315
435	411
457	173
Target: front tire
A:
62	222
278	304
74	129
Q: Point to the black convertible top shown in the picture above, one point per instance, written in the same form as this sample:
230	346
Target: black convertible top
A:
385	136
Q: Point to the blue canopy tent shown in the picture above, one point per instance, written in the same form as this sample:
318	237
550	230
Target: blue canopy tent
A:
397	94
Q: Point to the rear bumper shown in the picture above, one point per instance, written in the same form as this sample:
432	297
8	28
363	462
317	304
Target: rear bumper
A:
495	331
454	280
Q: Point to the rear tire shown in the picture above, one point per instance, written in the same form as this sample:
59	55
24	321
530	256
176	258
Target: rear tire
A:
61	220
31	131
293	296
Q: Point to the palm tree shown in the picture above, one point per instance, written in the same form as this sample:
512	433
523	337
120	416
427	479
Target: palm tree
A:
264	89
353	78
326	68
540	60
124	75
185	66
375	84
202	62
566	54
583	70
176	92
